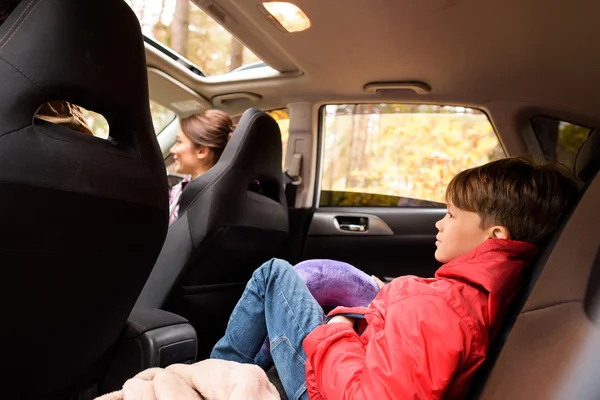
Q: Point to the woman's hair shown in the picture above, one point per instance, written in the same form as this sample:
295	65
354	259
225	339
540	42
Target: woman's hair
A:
209	128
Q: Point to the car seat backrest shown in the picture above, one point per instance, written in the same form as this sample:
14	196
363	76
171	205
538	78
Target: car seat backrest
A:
82	218
544	326
232	218
252	157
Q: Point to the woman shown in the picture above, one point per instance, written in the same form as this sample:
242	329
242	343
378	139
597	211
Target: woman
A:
200	143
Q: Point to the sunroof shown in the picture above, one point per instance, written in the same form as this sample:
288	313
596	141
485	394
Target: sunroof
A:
184	28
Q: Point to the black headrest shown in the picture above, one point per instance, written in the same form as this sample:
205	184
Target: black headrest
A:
587	162
68	50
252	154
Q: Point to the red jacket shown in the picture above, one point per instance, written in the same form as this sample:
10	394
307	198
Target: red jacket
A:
424	338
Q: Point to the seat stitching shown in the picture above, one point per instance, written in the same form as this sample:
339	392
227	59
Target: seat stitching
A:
21	24
21	72
16	20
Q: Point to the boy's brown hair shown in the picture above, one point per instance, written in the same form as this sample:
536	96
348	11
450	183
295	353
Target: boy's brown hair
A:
523	195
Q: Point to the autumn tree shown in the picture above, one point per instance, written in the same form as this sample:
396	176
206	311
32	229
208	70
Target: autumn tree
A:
236	54
180	27
410	151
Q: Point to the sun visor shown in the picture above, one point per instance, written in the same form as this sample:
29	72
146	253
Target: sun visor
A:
172	94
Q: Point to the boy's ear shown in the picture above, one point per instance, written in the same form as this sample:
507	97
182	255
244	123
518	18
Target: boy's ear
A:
499	232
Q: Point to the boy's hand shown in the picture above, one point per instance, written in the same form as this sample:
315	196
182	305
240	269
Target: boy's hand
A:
378	281
343	320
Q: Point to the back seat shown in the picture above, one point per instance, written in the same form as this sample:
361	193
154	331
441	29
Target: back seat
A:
548	320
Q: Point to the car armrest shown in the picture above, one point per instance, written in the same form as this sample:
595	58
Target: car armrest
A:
151	338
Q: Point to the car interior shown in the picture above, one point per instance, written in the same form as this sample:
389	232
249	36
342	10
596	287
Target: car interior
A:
347	133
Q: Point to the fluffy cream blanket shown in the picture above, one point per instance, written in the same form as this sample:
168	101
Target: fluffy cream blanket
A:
205	380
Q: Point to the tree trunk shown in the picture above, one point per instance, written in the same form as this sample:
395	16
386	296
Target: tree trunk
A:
180	27
364	137
162	11
160	30
236	57
356	125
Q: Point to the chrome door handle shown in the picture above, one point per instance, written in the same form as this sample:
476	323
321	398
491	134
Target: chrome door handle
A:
353	227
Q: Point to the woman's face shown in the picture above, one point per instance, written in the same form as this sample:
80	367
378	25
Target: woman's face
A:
189	158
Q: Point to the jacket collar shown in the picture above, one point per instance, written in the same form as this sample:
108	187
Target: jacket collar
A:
495	265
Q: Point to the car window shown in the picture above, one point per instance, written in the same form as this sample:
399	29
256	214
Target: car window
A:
161	117
97	123
185	29
399	155
560	140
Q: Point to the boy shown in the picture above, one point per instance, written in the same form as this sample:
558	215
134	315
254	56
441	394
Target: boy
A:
420	338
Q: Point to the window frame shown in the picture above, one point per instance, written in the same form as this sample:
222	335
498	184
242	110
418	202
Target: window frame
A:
148	34
321	115
571	168
175	117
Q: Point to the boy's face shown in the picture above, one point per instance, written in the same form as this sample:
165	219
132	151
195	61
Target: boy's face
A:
459	232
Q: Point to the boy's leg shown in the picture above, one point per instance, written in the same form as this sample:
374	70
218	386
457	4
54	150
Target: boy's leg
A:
275	302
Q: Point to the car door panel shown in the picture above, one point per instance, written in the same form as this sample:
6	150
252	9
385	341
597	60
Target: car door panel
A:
386	242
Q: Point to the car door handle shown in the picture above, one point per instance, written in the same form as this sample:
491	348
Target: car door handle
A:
335	223
353	227
352	223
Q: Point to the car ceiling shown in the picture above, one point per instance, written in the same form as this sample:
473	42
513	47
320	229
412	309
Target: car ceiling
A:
478	53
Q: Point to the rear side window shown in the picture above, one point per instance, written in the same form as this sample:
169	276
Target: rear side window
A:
560	140
400	155
161	116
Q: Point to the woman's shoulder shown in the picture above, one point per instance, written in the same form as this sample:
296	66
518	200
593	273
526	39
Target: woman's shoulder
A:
178	188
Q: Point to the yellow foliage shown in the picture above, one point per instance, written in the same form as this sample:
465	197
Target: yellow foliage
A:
412	155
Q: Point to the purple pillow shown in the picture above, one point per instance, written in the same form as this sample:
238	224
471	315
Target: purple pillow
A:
334	283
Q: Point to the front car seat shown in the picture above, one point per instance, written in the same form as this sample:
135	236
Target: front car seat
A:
232	218
83	219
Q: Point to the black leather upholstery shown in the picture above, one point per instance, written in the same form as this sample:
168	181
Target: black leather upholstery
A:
151	338
83	219
142	320
228	226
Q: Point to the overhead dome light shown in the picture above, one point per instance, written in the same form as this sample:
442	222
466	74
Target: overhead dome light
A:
287	15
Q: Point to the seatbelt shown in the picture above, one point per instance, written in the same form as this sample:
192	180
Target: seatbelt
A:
292	179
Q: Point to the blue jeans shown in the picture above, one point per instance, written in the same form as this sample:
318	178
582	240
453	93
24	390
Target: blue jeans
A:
277	303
